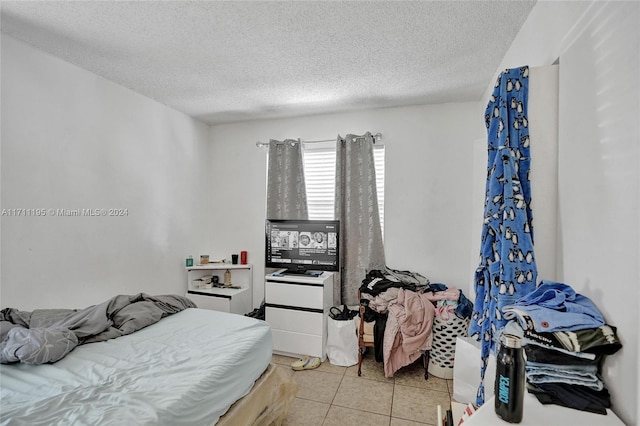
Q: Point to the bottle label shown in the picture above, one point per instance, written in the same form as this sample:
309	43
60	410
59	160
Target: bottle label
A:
503	389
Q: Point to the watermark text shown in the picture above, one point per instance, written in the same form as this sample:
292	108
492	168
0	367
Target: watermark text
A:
57	212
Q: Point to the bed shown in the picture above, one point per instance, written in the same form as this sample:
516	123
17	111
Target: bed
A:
190	368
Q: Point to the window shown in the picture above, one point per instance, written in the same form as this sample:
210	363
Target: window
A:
320	180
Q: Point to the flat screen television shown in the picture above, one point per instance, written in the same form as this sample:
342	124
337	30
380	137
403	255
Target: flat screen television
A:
302	246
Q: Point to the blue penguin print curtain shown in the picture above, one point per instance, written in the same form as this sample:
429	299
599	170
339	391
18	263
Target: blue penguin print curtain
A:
507	267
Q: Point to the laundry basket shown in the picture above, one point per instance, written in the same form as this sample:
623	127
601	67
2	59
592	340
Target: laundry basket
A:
443	349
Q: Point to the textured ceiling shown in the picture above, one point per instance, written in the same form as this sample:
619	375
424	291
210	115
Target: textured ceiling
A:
239	60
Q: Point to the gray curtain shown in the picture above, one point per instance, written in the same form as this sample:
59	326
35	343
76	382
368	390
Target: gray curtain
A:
286	191
356	207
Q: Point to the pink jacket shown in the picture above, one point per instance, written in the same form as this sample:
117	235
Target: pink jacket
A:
408	330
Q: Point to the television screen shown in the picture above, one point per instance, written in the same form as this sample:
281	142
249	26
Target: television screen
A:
302	245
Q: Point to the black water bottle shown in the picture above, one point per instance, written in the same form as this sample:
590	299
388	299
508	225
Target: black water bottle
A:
509	384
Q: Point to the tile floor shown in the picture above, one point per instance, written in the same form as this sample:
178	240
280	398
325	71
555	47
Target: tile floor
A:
333	395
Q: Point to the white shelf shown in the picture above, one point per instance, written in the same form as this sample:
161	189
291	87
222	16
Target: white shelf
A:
217	266
234	300
299	278
221	291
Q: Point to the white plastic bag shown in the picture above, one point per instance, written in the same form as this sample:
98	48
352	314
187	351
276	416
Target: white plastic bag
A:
342	341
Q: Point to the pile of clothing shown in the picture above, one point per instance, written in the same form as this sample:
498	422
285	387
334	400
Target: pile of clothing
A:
403	306
565	339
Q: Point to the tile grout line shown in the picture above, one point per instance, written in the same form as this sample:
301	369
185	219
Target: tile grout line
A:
334	397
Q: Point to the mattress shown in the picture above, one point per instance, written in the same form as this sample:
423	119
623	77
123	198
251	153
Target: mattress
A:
187	369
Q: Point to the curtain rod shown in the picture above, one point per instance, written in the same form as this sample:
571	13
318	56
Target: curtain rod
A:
376	138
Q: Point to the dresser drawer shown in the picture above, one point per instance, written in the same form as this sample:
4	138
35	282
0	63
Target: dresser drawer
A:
297	321
297	343
304	296
211	302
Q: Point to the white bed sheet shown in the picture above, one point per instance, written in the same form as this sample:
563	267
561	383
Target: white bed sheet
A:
187	369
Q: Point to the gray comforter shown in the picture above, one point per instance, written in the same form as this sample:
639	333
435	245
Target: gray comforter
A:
47	335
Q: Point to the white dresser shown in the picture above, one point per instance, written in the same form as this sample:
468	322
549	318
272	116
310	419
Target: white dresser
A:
296	308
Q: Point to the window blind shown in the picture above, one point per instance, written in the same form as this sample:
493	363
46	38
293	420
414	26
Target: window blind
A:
319	174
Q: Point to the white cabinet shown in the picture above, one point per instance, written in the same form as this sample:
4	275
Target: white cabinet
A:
234	300
296	308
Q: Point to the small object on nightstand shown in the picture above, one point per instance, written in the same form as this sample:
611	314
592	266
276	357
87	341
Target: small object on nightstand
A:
189	261
227	278
203	282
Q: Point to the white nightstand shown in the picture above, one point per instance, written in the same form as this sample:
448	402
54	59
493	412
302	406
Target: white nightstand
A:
237	301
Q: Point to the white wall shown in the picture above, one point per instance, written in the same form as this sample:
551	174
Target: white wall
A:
598	44
429	155
73	140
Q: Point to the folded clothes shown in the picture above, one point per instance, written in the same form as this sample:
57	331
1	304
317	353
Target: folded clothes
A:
572	396
537	375
602	340
554	307
513	327
535	353
540	366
